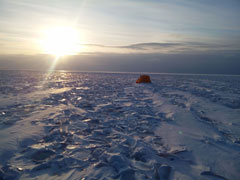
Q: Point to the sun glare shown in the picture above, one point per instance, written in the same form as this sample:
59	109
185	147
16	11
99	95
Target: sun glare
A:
60	41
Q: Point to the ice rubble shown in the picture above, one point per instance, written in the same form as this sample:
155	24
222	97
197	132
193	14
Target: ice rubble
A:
104	126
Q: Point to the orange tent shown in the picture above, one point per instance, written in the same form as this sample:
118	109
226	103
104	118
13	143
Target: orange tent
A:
144	79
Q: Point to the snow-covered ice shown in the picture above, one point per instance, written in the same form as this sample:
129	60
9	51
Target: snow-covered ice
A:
87	126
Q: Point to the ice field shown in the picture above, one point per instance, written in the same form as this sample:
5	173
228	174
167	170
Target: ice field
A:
102	126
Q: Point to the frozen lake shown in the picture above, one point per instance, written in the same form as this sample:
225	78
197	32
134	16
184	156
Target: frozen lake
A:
87	126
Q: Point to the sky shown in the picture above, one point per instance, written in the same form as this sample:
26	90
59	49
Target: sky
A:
198	31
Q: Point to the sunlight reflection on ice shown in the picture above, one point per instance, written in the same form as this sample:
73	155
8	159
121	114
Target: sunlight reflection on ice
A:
72	146
41	145
82	88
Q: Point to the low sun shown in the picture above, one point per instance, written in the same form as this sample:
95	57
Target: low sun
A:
60	41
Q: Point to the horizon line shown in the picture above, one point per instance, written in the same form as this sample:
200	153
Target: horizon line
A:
122	72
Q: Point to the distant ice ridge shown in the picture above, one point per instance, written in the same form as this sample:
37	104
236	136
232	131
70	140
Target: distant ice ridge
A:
105	126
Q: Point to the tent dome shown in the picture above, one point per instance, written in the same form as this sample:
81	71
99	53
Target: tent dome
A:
144	79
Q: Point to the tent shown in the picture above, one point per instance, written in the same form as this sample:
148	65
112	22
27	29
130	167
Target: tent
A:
144	79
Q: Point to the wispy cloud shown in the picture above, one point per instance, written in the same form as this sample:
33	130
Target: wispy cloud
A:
150	46
157	47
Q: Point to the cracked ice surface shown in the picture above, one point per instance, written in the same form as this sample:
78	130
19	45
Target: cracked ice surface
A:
105	126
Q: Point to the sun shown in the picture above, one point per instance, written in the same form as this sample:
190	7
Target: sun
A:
60	41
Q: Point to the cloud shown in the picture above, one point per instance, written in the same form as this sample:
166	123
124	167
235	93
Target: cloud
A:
150	46
170	47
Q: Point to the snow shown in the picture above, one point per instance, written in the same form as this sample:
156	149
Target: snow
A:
75	125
